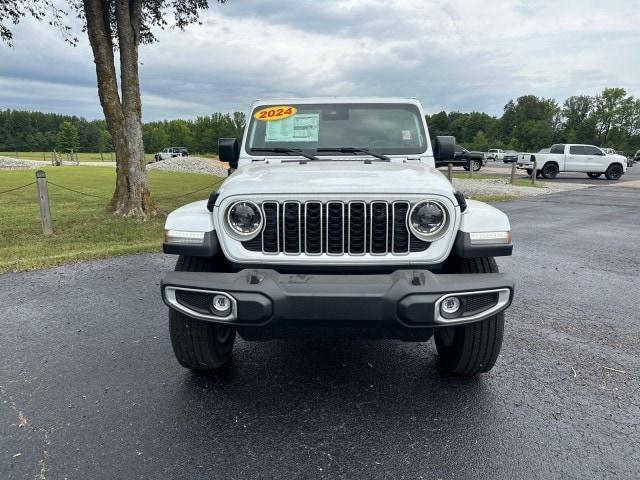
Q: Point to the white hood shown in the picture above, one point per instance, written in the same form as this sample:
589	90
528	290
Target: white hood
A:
336	177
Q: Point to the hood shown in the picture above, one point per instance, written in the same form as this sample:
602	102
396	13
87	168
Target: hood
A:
336	177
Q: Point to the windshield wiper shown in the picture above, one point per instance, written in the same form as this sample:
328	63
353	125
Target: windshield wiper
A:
355	150
286	150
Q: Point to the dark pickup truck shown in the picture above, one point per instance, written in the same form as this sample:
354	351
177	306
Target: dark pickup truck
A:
464	158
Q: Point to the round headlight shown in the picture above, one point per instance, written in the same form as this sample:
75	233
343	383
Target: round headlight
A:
244	218
427	219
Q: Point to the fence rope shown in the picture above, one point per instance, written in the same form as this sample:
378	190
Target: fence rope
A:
213	185
78	192
17	188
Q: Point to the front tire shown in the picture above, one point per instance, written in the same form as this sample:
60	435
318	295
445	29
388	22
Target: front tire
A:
199	345
473	348
614	172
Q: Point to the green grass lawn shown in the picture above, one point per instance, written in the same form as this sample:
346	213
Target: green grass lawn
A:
83	228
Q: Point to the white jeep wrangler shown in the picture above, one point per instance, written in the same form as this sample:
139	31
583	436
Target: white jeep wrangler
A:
336	223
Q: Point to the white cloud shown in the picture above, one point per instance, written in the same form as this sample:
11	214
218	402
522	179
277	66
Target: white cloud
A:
465	55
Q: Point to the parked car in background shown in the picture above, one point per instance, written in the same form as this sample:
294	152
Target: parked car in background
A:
495	154
464	158
510	156
633	159
171	152
574	158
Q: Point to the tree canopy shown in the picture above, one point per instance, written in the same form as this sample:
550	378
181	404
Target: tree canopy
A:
35	132
529	123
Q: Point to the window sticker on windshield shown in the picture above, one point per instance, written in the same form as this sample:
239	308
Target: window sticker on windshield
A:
275	113
298	128
406	135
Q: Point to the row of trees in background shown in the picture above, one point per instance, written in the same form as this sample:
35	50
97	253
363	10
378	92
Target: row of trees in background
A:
35	132
609	119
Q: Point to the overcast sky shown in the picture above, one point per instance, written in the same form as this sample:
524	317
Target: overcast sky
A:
454	55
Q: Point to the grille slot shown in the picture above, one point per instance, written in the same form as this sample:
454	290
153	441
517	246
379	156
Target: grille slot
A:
400	236
336	228
270	234
379	228
356	229
313	227
292	226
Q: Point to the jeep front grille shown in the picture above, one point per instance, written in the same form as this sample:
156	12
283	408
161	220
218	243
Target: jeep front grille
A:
336	228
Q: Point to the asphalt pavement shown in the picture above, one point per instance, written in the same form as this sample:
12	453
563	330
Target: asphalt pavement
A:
89	387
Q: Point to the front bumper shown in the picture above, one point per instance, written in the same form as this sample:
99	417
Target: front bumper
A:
405	299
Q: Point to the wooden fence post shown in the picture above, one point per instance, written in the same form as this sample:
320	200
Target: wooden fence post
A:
450	172
101	158
470	168
534	172
43	197
513	173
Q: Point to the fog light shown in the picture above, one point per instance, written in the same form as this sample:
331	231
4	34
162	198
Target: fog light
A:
221	305
450	305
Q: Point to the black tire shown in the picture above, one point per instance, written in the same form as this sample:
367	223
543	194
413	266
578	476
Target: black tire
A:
477	165
466	167
594	174
550	171
614	172
474	348
199	345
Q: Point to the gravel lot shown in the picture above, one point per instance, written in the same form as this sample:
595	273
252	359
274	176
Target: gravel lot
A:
191	165
89	387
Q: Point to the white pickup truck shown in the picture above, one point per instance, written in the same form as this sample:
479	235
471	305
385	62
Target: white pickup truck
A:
574	158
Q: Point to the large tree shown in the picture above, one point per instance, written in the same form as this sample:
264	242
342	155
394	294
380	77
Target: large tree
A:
122	26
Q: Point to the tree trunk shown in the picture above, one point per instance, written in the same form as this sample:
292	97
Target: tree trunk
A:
131	197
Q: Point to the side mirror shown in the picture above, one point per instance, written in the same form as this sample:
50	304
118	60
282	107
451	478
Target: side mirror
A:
229	151
444	148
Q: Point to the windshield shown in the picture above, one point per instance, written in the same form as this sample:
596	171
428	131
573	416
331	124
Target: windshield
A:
381	128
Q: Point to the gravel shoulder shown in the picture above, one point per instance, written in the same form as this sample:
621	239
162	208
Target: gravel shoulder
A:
8	163
191	165
502	187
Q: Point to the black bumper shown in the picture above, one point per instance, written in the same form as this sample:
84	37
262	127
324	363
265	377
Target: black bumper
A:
404	299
